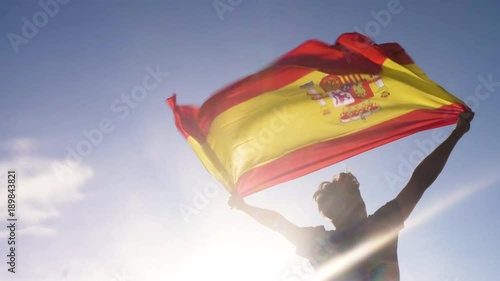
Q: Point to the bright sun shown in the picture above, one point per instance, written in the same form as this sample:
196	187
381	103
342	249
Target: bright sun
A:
233	255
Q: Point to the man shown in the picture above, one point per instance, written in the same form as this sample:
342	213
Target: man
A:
361	247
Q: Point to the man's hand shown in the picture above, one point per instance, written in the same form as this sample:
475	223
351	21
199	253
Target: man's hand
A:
464	119
236	201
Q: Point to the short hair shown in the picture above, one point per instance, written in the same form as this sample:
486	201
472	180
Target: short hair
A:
327	187
323	188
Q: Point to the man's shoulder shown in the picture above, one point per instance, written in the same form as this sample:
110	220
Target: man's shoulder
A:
388	215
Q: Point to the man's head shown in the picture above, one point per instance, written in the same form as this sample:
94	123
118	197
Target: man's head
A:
340	200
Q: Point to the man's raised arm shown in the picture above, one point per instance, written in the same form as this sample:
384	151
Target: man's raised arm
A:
429	169
271	219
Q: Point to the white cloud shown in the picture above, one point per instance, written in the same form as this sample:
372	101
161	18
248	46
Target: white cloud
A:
39	193
143	247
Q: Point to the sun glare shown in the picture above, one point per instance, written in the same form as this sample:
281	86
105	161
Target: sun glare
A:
239	259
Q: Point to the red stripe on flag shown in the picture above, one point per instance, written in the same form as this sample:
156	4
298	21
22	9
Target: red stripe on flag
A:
333	59
185	120
358	43
318	156
396	53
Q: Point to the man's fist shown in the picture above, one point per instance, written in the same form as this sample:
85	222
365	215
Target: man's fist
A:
236	201
464	119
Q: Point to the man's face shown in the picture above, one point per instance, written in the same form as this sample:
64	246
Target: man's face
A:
340	202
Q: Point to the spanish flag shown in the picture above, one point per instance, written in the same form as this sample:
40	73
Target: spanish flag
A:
314	106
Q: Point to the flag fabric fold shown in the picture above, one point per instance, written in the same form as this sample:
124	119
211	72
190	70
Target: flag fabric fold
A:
314	106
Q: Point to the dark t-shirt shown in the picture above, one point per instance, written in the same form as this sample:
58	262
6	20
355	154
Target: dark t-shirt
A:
365	252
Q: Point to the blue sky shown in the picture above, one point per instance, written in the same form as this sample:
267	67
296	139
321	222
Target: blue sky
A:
114	212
